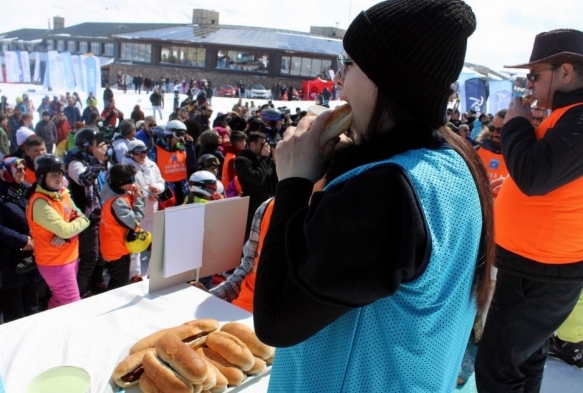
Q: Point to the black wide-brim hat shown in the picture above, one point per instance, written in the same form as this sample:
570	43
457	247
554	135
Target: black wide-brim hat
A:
555	47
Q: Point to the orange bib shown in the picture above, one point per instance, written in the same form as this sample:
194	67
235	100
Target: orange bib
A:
548	228
111	234
494	163
49	255
172	164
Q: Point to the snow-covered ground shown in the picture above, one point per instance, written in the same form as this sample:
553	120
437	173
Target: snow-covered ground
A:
126	101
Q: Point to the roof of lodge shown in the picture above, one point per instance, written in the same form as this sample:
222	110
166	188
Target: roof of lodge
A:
243	36
25	34
105	29
256	37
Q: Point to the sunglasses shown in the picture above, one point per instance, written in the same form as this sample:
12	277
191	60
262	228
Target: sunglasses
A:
497	129
139	152
152	125
20	169
178	134
532	77
342	62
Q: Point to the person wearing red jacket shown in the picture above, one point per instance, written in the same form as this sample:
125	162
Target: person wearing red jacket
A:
111	114
63	126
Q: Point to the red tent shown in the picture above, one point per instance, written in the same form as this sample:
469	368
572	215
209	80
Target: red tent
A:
311	89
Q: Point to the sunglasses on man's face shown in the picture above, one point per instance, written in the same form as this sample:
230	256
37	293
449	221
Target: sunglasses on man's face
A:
533	76
139	152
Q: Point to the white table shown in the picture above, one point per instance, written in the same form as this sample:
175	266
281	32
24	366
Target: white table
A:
92	333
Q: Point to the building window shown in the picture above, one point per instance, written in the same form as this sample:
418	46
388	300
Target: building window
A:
243	60
305	66
72	46
183	55
50	45
83	47
108	49
61	45
96	48
136	52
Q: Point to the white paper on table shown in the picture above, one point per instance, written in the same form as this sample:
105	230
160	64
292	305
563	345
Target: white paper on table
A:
183	239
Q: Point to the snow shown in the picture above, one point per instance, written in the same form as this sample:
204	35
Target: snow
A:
126	101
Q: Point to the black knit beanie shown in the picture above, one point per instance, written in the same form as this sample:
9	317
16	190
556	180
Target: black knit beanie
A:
413	50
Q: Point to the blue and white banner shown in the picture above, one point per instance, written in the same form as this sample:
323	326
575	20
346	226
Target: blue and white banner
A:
500	96
25	64
36	72
69	73
91	70
13	67
56	71
476	95
76	61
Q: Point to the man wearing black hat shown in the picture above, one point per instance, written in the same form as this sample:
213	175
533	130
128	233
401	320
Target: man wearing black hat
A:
538	220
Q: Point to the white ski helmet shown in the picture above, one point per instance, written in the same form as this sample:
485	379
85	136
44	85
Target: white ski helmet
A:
203	182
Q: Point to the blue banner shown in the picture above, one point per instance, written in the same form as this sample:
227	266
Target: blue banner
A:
476	95
91	64
69	73
500	96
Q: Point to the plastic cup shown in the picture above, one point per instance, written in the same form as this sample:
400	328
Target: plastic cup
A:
62	379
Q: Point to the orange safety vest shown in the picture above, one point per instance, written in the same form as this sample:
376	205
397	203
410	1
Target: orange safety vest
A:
172	164
225	178
548	228
29	176
45	253
112	235
494	163
245	298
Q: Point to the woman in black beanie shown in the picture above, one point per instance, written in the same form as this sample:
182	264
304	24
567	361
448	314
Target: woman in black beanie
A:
367	286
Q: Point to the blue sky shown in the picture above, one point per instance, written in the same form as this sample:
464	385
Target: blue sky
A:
505	32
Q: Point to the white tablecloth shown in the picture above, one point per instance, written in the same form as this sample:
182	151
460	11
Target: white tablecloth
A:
93	333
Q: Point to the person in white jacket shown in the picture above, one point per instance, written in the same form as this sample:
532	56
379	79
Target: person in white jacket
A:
149	179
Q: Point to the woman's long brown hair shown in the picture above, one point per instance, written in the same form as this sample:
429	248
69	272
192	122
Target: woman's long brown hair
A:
487	252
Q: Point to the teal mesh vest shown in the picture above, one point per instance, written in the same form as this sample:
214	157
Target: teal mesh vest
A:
413	341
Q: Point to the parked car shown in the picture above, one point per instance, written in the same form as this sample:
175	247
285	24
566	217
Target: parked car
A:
225	91
259	91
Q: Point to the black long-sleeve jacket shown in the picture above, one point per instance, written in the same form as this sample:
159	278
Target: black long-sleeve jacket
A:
541	166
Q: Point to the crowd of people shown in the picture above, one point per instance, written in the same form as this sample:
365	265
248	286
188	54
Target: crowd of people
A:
353	258
192	159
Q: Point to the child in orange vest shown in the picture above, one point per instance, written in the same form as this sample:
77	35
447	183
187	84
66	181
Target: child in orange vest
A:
55	222
123	209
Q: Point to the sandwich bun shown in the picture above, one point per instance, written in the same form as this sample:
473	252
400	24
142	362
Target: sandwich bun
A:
195	332
233	374
527	100
337	124
148	386
148	341
128	372
165	377
181	358
258	366
249	338
232	349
